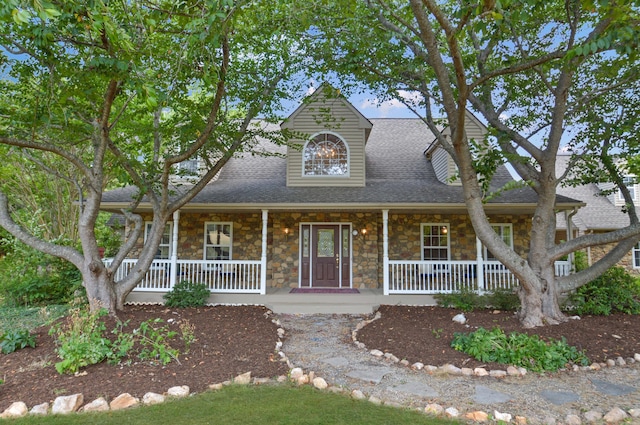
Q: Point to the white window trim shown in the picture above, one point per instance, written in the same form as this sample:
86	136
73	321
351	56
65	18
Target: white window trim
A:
635	254
633	188
147	227
331	176
510	226
423	246
205	244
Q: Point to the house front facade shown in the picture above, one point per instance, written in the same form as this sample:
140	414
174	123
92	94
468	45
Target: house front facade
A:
355	204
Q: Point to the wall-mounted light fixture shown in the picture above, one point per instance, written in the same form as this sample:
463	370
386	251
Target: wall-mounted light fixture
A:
286	233
444	230
364	232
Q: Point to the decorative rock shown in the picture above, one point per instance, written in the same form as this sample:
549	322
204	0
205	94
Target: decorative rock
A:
280	333
522	371
592	416
498	373
216	387
477	416
466	371
480	371
152	398
521	420
572	420
634	413
513	371
611	362
636	357
451	369
123	401
620	362
358	395
40	409
97	405
615	415
434	409
303	380
375	400
67	404
320	383
377	353
243	379
15	410
296	373
505	417
281	378
452	412
360	345
404	362
261	381
417	366
393	358
181	391
459	318
430	369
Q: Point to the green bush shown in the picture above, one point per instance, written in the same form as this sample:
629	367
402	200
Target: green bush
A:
615	291
518	349
16	340
502	299
187	294
468	300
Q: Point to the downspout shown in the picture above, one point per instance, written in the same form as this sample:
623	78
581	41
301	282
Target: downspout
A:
174	249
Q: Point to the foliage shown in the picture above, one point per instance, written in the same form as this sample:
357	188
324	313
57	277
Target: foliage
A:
187	294
30	317
580	261
16	339
616	291
81	341
30	278
468	300
518	349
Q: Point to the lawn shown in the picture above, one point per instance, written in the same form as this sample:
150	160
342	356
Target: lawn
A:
249	405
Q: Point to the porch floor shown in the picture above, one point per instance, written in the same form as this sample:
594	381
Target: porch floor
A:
280	300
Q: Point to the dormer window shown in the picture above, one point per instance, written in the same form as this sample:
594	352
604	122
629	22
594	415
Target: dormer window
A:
326	154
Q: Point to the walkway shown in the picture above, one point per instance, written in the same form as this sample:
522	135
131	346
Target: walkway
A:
322	343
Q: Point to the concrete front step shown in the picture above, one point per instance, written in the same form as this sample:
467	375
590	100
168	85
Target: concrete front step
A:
282	301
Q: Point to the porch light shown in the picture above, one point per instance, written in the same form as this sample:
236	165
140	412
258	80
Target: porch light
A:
286	233
364	233
444	230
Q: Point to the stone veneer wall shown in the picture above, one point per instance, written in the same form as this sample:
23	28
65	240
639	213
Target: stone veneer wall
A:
367	263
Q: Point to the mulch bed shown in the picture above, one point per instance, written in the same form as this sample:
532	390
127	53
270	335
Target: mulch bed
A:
232	340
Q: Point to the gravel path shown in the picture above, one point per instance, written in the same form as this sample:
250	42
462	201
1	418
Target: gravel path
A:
323	344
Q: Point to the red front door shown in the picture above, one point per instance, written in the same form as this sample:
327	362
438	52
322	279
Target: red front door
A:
326	256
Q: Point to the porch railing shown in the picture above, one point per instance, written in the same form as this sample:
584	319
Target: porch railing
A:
237	276
433	277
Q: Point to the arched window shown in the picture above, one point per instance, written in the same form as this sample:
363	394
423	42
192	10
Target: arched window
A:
326	155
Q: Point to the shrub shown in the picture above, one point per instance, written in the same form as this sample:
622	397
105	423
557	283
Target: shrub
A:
518	349
465	299
16	340
502	299
187	294
614	291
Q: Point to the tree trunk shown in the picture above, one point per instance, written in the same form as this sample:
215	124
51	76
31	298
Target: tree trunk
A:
539	301
100	288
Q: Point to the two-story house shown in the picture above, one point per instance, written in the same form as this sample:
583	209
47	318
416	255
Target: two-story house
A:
357	205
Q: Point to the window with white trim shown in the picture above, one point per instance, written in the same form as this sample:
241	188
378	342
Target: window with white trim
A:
636	256
164	249
326	154
435	241
505	231
630	183
218	240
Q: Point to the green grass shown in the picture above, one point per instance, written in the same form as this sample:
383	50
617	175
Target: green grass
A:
252	405
29	317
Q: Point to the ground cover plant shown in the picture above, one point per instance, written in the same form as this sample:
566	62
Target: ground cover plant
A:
187	294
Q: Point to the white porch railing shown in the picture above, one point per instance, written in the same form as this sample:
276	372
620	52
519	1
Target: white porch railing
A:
236	276
433	277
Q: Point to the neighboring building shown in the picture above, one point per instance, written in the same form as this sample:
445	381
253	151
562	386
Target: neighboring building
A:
367	204
603	213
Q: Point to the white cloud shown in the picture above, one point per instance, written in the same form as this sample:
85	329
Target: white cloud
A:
393	107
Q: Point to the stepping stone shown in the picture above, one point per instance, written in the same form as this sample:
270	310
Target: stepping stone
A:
559	397
485	395
336	361
417	389
609	388
371	374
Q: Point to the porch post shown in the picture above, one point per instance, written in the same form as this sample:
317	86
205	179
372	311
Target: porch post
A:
385	251
479	266
263	259
174	249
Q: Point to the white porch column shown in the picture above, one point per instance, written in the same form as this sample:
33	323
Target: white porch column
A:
479	266
174	249
385	251
263	258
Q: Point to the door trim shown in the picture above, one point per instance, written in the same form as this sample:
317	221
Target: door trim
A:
342	226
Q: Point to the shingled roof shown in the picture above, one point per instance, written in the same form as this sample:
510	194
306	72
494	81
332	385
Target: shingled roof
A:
398	176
